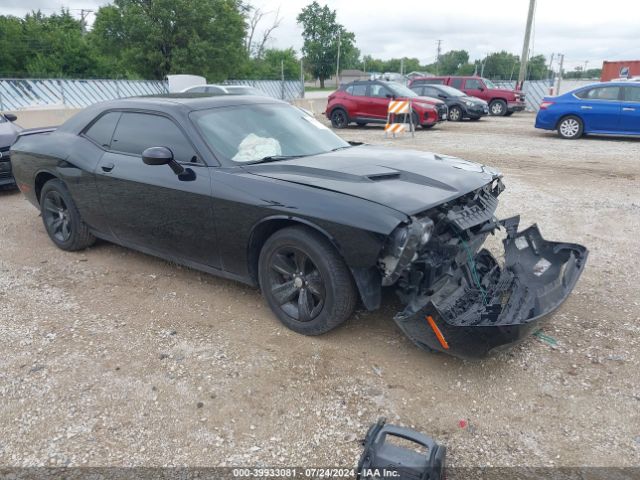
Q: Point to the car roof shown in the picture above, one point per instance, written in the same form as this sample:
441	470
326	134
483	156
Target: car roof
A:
189	101
168	103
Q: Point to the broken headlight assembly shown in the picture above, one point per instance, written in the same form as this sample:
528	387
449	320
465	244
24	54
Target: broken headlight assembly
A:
402	246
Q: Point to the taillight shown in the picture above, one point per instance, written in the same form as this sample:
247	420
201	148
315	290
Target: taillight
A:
545	105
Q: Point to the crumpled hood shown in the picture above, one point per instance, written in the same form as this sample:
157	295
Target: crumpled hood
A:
406	180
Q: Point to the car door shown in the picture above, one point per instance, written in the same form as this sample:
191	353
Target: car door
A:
150	207
630	110
379	97
474	87
600	108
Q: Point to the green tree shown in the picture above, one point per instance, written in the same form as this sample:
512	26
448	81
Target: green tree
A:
321	33
153	38
537	68
451	62
46	46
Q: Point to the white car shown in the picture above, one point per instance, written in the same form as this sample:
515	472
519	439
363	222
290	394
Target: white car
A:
223	90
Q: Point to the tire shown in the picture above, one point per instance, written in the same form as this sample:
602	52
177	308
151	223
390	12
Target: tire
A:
61	218
570	127
339	118
317	301
427	126
498	108
455	114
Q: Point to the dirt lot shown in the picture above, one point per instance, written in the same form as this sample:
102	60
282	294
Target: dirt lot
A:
110	357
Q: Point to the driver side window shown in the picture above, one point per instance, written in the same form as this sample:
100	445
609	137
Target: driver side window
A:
138	131
378	91
473	84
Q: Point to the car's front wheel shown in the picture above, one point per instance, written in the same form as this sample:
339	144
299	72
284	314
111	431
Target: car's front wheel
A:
305	282
570	127
61	218
455	114
498	108
339	118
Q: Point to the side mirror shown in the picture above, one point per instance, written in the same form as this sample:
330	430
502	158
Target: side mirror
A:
10	116
481	88
389	95
162	156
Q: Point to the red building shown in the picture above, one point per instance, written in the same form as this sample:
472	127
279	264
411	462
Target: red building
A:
620	69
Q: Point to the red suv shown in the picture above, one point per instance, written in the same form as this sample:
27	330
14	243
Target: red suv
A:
367	101
502	101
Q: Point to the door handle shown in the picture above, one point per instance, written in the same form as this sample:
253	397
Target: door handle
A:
585	107
107	167
628	109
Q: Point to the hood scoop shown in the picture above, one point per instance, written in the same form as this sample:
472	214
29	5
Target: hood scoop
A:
378	177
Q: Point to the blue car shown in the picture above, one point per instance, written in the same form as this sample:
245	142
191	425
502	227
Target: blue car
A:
611	108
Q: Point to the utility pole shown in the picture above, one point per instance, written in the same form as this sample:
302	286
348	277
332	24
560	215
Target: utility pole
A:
586	62
525	46
561	55
338	63
438	51
301	77
84	13
402	66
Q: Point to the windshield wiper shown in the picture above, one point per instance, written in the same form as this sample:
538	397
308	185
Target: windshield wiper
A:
275	158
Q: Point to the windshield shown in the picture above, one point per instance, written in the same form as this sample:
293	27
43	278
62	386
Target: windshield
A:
400	90
489	83
452	92
250	133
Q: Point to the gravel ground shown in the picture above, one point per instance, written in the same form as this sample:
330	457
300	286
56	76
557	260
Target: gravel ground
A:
114	358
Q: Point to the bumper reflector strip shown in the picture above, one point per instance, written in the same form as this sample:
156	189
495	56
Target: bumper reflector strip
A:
438	333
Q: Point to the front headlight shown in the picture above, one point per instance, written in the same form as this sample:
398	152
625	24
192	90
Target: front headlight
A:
469	104
401	247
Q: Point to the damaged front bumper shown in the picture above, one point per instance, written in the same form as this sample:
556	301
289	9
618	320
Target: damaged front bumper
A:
482	306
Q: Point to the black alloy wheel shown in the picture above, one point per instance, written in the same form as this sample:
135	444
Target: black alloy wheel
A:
305	281
296	284
339	118
56	216
61	218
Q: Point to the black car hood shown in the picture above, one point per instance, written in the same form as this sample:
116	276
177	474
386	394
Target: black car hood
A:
406	180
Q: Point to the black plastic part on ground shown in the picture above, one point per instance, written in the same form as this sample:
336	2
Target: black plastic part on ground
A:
382	458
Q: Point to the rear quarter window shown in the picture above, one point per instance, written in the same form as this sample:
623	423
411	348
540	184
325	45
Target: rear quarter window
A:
632	94
102	129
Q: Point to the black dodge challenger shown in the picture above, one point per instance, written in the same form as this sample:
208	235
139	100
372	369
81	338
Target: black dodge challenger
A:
255	190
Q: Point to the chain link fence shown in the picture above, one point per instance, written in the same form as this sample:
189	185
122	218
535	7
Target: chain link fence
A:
27	93
21	93
535	91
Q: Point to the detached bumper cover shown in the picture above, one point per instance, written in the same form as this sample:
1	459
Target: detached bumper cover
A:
492	307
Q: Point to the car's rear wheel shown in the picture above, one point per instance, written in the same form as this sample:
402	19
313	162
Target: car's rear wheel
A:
498	108
61	218
570	127
339	118
306	283
455	114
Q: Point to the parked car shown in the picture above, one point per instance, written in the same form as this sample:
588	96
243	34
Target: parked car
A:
8	133
459	104
367	101
252	189
223	90
502	101
604	108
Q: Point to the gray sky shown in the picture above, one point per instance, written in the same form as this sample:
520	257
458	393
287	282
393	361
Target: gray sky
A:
581	29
